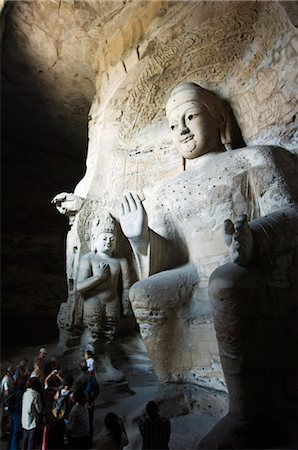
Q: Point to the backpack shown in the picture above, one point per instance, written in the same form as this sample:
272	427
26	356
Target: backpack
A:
92	388
59	406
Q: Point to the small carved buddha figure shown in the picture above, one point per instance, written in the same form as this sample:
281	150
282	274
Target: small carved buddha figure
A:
101	279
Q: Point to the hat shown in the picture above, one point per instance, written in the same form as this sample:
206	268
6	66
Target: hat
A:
42	350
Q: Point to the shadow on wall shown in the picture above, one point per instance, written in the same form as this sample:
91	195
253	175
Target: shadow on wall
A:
39	159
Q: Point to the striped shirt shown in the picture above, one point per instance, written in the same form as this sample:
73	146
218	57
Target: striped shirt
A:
155	433
78	421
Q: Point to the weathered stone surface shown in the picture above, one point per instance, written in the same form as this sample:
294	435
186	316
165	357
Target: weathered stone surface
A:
130	147
248	65
188	211
59	57
53	52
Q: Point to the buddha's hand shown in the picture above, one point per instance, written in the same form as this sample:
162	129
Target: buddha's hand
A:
103	270
67	204
239	238
133	219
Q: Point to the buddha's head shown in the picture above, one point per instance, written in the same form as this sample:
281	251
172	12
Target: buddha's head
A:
201	122
104	235
105	243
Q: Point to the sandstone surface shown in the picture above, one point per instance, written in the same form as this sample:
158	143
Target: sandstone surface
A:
108	67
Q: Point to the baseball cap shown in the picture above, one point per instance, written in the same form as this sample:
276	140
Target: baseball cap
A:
42	350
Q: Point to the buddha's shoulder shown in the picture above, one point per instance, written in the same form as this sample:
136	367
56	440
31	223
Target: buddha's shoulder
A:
87	257
251	156
208	167
260	150
268	155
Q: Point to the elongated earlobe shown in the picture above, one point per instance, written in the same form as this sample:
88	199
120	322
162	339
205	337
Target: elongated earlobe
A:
225	134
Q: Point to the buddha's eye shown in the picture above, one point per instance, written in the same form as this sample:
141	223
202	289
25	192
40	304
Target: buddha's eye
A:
190	117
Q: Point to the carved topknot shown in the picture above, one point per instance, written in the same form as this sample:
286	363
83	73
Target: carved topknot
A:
104	224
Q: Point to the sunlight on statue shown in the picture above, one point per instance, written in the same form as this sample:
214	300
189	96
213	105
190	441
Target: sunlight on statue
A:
230	221
99	277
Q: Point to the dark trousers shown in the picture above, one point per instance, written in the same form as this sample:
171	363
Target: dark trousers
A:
82	442
15	419
29	441
91	414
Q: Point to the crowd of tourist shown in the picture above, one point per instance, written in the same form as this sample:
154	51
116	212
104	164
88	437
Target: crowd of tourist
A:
41	407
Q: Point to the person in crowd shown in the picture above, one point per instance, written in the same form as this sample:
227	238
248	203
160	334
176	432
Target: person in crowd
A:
77	426
58	410
47	414
14	410
51	365
31	413
42	353
7	382
80	383
41	359
92	390
114	436
38	370
62	399
86	381
56	437
21	369
155	429
6	388
54	379
89	358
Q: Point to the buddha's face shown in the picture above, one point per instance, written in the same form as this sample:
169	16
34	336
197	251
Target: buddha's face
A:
194	131
105	243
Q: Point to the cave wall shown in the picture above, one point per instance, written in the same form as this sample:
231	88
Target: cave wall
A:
244	51
104	69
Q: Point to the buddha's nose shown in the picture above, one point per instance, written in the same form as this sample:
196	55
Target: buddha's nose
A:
183	128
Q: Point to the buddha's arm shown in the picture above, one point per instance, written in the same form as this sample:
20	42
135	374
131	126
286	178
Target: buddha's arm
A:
86	280
67	203
271	194
151	250
126	283
275	232
276	243
134	224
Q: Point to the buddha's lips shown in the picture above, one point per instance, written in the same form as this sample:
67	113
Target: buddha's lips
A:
187	138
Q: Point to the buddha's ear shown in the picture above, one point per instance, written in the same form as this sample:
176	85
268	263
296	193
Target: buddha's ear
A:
225	130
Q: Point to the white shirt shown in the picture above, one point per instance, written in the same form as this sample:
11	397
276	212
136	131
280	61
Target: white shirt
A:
90	364
6	386
31	408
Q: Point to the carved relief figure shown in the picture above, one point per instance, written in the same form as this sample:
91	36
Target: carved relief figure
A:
251	193
102	280
68	204
98	282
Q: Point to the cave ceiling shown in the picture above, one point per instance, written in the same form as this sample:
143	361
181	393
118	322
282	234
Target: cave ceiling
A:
53	54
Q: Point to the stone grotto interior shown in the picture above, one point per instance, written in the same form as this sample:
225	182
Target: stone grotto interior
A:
139	222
